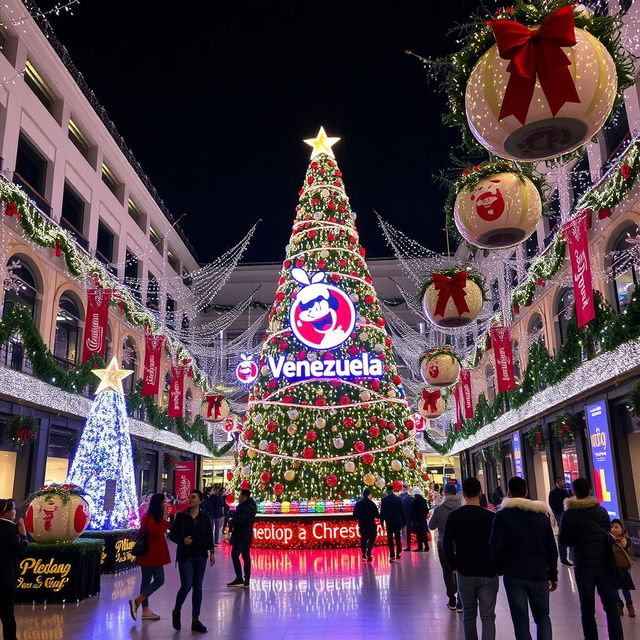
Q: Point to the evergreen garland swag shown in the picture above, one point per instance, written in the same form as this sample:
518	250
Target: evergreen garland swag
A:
22	430
564	428
537	439
169	462
497	451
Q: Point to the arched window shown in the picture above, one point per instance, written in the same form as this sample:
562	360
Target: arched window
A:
517	371
188	406
166	388
491	384
563	312
20	286
536	329
129	361
68	329
626	274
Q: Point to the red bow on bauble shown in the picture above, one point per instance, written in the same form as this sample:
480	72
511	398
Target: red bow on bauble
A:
430	400
213	406
451	287
536	52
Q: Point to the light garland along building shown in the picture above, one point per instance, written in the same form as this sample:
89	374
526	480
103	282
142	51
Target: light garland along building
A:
578	385
91	204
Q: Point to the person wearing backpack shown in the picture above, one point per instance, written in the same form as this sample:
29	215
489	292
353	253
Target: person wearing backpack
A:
585	526
154	525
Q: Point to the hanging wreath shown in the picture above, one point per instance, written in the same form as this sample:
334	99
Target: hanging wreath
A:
22	430
497	451
633	401
537	439
564	428
169	462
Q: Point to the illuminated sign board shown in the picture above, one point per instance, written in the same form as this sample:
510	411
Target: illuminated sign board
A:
358	367
321	533
246	369
517	454
604	482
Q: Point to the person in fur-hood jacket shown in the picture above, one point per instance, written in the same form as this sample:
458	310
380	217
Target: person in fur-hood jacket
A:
585	527
523	545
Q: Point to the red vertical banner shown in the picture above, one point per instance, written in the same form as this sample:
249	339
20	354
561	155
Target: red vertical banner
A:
456	395
576	232
467	396
185	482
176	392
503	354
95	327
153	346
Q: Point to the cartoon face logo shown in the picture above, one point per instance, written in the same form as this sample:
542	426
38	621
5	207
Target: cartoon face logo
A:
433	369
321	315
247	369
489	200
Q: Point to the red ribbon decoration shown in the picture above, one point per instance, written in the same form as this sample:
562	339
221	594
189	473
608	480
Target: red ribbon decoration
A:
430	400
536	52
11	209
453	287
25	435
213	406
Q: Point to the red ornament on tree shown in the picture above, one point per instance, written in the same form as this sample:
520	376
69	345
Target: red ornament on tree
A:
272	447
278	489
359	446
367	458
265	476
374	432
311	435
332	480
245	484
308	452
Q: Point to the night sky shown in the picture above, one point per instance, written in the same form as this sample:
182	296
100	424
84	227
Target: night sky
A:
214	99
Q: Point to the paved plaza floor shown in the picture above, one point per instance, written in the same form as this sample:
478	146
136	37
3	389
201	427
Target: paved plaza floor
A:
300	594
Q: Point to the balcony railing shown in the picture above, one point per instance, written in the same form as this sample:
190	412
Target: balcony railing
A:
33	194
75	234
12	356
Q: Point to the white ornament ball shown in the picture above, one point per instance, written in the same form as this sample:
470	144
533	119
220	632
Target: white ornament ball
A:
396	465
246	471
324	193
355	297
440	370
293	414
49	519
320	423
324	253
378	348
312	356
275	462
380	483
350	466
407	452
499	212
263	445
264	370
292	429
390	438
317	215
543	135
338	443
258	418
391	393
365	396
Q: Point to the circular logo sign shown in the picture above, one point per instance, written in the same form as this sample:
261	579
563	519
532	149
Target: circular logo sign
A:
321	316
246	370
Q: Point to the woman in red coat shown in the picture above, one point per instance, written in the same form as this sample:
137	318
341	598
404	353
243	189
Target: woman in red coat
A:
155	524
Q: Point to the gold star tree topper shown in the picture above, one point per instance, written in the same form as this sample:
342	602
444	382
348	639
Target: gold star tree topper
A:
111	377
322	143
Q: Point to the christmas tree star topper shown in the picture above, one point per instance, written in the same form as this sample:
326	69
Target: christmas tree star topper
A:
322	143
111	377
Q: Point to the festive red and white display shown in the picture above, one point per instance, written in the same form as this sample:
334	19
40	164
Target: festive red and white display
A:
176	392
215	407
431	404
95	328
466	394
440	369
153	346
50	519
452	300
500	211
540	93
503	354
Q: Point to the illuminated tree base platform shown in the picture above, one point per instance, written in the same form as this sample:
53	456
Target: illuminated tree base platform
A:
309	531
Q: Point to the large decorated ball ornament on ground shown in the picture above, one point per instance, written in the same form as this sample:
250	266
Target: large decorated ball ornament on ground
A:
499	211
452	299
439	368
57	513
540	92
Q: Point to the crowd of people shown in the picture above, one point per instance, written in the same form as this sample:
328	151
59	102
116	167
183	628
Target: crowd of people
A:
475	546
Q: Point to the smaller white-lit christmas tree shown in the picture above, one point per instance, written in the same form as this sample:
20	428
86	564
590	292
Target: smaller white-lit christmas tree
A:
104	461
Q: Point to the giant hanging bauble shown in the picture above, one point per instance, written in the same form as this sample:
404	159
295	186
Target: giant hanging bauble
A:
452	300
431	404
500	211
50	519
215	408
440	369
543	135
369	479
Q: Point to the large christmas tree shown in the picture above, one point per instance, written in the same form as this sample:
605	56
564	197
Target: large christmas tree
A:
103	463
327	413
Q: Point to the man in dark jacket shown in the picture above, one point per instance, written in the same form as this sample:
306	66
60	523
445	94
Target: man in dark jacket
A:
418	519
241	525
523	545
557	496
466	545
452	500
585	527
365	512
216	511
392	514
407	501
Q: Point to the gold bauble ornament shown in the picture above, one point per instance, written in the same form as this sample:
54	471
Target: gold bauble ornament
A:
320	423
292	429
396	465
252	454
499	212
369	479
441	370
451	317
543	134
350	466
289	475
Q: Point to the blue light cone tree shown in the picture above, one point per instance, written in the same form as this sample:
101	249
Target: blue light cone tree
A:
104	453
